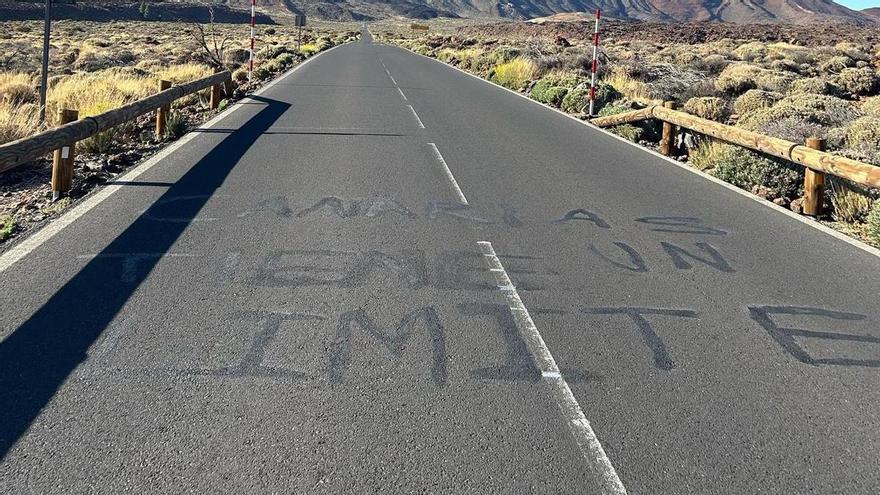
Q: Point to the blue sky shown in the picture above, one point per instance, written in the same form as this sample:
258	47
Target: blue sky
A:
859	4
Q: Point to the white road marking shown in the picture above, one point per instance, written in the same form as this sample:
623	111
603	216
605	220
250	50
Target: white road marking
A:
401	94
779	209
449	175
577	423
36	239
413	110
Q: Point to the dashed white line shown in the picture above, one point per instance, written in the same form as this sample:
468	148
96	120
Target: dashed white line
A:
413	110
401	94
577	423
449	175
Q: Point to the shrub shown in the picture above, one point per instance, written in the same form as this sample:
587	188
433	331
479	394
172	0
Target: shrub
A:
240	75
813	85
707	107
873	224
853	51
779	82
850	202
7	227
747	169
863	131
737	78
715	63
237	56
262	72
308	49
755	100
100	143
836	64
706	154
551	95
816	109
751	51
626	131
515	73
176	125
862	81
871	106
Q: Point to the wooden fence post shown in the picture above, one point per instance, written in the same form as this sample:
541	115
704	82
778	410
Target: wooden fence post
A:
62	159
162	113
215	94
667	141
814	182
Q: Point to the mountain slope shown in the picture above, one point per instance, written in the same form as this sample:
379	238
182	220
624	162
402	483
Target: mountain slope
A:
740	11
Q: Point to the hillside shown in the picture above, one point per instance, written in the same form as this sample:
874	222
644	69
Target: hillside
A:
737	11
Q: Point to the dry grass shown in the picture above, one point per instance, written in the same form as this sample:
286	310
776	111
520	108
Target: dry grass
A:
516	73
95	67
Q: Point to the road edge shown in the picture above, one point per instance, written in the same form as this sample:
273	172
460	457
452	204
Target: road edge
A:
800	218
35	239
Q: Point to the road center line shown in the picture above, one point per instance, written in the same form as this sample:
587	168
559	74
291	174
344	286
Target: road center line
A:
413	110
449	175
577	423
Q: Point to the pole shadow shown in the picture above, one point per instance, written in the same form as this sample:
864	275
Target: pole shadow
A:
37	358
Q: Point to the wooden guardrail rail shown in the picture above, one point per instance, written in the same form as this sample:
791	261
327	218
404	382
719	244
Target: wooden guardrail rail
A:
810	155
63	138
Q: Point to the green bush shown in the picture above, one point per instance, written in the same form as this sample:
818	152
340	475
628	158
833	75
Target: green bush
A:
755	100
626	131
175	126
747	169
7	227
873	223
551	95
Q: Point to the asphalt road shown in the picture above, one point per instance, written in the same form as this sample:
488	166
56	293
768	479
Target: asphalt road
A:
382	274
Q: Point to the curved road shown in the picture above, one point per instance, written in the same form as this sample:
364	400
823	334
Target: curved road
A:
381	274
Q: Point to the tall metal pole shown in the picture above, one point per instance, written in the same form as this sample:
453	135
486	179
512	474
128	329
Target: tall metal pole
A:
44	77
595	67
253	24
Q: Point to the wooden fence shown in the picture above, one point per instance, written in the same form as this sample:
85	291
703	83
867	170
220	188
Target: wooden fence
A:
62	139
810	155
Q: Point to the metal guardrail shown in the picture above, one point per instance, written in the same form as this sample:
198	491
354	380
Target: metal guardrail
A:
810	155
64	137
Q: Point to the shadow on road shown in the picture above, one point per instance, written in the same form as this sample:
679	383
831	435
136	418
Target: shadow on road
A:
38	356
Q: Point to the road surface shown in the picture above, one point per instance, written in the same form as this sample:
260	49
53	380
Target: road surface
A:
381	274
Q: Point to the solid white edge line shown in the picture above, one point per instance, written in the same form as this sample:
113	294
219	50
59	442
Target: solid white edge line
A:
576	421
37	238
413	110
773	206
448	172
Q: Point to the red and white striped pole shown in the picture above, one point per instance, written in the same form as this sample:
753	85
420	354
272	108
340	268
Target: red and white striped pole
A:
595	63
253	26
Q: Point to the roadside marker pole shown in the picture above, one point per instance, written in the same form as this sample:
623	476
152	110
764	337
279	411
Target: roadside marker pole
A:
595	63
253	25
